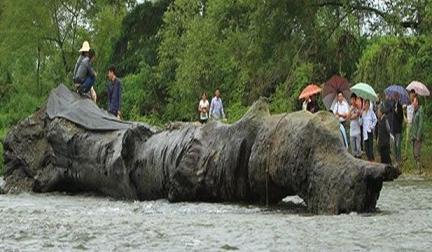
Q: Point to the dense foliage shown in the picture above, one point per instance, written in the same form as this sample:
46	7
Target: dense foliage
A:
169	51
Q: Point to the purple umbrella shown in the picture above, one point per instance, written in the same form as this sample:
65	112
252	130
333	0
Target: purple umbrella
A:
396	89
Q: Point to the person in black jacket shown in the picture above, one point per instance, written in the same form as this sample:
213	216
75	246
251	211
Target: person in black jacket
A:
114	90
384	134
396	126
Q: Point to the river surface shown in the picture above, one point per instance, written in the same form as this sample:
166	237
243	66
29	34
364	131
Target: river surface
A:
61	222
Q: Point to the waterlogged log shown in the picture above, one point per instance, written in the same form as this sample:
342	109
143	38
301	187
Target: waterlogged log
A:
260	158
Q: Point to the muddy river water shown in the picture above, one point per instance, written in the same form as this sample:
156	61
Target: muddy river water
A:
62	222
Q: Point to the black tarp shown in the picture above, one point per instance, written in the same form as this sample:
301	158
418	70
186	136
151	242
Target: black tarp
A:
82	111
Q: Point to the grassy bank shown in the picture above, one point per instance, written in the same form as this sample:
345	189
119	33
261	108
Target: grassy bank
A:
408	165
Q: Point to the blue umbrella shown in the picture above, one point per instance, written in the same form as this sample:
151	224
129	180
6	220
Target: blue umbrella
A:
403	94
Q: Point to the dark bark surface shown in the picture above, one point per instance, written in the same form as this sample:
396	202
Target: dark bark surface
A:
261	157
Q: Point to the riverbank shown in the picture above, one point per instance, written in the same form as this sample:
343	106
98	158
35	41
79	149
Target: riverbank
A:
408	164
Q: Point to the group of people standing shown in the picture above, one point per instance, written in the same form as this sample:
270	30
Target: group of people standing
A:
213	110
383	121
84	78
362	119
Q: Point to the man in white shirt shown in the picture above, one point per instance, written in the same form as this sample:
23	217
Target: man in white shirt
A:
341	110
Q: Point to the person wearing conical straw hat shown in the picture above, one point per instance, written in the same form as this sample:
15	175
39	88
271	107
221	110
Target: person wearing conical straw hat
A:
83	72
85	48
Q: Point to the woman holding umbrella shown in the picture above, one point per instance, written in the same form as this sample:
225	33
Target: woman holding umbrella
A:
417	121
400	98
369	118
309	95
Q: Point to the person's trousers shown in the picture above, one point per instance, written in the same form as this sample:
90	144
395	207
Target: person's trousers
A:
356	145
407	137
347	131
343	135
87	84
397	147
369	147
417	150
385	154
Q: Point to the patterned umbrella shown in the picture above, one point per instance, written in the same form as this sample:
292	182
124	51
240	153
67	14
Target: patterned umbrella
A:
397	89
332	87
310	90
419	88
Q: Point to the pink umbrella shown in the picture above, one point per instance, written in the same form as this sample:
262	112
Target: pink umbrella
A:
419	88
310	90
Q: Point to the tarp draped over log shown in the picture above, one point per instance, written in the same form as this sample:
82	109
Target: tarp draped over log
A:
84	112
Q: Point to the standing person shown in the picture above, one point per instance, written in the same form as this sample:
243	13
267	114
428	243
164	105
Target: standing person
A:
216	107
341	111
384	134
369	122
417	132
355	130
409	119
396	126
360	103
114	92
203	108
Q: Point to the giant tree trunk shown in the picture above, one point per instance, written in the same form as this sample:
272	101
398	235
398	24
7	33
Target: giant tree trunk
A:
259	158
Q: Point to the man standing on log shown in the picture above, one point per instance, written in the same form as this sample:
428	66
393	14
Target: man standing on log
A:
114	92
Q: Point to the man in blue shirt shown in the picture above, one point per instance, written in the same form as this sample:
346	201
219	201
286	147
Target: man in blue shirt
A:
114	92
216	107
